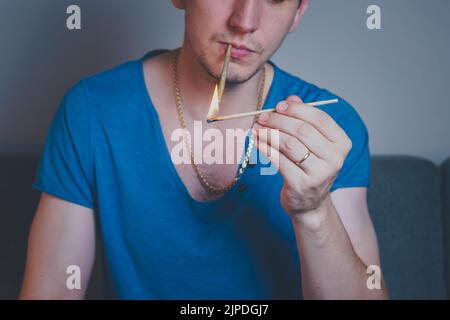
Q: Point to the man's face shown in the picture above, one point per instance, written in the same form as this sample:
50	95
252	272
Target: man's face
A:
258	26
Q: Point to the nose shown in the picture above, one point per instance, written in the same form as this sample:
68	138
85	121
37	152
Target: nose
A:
246	16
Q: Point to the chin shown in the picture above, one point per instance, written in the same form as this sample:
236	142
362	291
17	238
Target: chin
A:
238	78
242	75
237	72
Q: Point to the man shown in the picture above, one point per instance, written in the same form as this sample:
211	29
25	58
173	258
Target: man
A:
186	231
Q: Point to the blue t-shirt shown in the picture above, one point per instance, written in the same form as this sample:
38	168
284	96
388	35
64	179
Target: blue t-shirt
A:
105	150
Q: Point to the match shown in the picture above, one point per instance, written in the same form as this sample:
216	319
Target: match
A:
253	113
223	77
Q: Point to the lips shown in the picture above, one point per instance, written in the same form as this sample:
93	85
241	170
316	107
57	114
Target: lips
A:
238	51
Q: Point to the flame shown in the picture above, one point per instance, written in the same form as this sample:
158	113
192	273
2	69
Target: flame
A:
214	106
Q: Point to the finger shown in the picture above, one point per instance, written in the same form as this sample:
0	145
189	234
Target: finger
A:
311	168
318	118
291	173
302	130
290	146
295	99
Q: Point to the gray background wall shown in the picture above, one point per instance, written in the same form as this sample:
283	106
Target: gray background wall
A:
397	78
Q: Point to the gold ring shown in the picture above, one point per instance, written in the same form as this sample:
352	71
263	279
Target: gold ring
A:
298	163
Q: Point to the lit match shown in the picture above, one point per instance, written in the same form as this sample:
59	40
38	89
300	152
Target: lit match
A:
253	113
218	89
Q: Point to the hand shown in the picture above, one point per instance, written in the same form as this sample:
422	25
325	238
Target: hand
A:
301	129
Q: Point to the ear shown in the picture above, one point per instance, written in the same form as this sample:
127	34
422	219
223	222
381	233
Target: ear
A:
299	14
179	4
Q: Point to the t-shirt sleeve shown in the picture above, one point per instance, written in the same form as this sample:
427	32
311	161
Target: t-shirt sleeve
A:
355	171
65	168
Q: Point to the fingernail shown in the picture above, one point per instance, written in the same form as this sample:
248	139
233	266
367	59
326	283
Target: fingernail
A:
282	106
263	117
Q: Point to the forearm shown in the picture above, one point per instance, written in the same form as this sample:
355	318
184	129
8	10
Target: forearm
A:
330	267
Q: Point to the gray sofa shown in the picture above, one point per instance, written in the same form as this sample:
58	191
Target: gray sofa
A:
409	201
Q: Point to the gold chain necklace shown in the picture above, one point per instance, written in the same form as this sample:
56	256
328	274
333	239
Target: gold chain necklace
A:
179	106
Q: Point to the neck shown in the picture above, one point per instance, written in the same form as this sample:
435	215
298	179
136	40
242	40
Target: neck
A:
197	87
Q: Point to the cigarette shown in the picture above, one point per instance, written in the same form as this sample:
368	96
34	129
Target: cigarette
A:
253	113
223	77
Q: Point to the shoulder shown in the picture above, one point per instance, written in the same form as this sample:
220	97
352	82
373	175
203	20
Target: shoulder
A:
108	88
120	81
113	78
